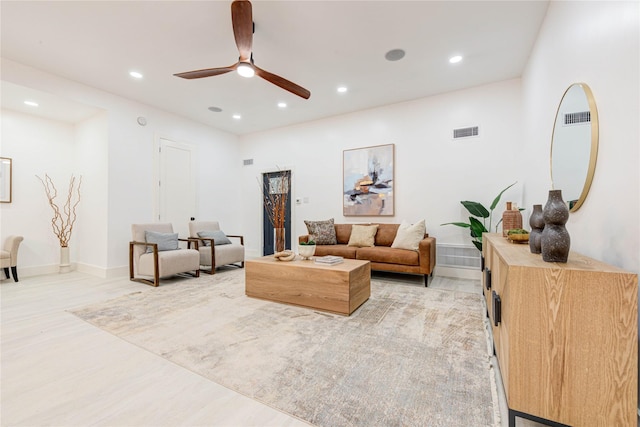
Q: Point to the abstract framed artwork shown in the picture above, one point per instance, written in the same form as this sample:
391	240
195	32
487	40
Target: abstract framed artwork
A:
368	181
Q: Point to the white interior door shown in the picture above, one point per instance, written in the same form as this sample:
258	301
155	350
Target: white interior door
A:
177	193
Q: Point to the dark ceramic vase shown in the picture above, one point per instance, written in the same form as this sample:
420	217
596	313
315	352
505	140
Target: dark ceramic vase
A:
536	221
555	237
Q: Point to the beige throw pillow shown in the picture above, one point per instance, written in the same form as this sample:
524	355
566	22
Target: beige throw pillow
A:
363	235
409	236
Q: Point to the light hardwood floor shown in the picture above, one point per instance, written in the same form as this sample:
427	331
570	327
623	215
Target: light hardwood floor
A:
56	369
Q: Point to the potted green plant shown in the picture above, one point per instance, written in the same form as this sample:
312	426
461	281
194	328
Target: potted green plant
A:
307	249
477	210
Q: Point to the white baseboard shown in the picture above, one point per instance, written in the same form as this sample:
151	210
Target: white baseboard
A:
42	270
39	270
105	273
460	273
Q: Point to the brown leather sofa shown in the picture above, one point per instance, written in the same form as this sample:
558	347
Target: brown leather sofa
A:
382	256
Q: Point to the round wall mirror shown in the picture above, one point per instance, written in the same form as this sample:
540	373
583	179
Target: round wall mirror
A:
574	145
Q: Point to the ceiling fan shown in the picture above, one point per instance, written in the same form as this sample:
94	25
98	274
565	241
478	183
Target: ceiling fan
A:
242	20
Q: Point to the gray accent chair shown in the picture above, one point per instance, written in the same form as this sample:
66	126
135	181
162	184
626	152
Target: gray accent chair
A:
221	254
159	263
9	256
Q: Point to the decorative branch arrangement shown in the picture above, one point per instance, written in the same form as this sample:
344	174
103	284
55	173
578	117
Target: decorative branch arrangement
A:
63	220
274	195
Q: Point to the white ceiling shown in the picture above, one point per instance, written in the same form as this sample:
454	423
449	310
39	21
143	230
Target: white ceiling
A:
316	44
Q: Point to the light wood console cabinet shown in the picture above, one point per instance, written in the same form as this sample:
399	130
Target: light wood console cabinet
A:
565	336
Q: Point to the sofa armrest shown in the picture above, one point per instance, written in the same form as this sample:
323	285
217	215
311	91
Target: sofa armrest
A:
427	252
304	238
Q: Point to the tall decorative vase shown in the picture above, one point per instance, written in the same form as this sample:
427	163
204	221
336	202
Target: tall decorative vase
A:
65	264
555	239
279	239
511	219
536	221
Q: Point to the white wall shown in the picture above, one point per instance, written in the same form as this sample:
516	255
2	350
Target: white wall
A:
433	173
596	43
37	146
91	148
116	157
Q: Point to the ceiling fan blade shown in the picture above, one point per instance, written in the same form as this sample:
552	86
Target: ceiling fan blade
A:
242	20
283	83
208	72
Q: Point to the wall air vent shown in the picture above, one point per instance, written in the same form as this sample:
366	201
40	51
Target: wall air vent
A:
577	118
247	162
465	132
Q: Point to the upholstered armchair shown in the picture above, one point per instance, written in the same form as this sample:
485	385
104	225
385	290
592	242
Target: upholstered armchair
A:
155	253
9	256
225	251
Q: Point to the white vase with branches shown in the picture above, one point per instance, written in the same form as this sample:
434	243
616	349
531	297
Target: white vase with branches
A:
63	217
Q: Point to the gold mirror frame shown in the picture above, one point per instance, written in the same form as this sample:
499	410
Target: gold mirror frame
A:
593	153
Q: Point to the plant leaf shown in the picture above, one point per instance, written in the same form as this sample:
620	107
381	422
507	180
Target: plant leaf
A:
478	245
459	224
477	228
476	209
497	199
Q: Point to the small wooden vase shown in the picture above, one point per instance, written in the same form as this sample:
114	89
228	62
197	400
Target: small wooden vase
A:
511	219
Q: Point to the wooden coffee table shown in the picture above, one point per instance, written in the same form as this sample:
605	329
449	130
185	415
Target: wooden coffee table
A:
339	288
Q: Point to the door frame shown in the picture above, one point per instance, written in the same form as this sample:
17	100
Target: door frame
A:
292	241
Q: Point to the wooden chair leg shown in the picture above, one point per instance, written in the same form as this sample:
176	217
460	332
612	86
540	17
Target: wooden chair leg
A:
6	272
14	271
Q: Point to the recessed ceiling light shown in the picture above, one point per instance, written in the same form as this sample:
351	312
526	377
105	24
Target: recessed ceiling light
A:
342	89
31	103
282	105
135	74
237	116
394	55
455	59
215	109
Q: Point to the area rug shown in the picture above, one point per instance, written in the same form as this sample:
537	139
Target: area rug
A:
409	356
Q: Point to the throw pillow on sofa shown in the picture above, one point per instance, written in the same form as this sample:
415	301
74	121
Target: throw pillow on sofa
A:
409	236
165	241
323	232
363	235
218	236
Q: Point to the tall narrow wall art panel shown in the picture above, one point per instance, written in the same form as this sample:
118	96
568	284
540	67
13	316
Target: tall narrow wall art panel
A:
368	181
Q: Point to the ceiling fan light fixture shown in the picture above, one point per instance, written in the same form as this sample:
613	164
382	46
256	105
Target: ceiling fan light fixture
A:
246	70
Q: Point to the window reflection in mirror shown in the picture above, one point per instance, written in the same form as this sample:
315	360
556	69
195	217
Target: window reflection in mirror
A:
574	146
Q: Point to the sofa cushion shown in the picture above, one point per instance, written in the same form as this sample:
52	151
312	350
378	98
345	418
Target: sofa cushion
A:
165	241
386	233
383	254
343	232
323	232
363	235
339	250
219	238
409	236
